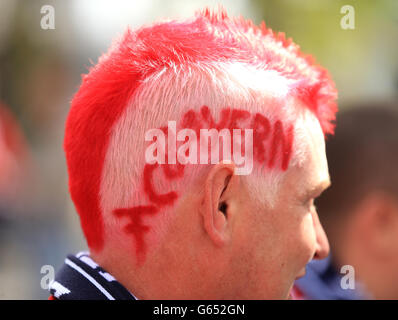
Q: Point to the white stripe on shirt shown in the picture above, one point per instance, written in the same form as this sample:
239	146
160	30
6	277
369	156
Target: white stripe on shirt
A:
88	277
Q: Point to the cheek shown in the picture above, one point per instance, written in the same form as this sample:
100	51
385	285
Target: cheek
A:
300	242
306	239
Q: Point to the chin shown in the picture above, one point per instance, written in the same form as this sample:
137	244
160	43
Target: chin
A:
289	294
285	295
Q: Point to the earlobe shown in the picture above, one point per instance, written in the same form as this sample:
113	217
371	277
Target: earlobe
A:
215	205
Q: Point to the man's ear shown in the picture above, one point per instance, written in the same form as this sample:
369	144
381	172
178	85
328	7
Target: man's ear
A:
214	208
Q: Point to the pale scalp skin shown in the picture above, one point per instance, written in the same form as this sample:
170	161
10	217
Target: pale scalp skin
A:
121	185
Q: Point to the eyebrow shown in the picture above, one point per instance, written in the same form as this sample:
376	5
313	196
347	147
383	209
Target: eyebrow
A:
316	191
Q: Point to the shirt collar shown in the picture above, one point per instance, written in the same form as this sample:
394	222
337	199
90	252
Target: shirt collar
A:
81	278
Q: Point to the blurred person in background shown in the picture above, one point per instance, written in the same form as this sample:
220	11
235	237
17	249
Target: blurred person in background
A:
191	230
35	83
14	176
14	158
360	210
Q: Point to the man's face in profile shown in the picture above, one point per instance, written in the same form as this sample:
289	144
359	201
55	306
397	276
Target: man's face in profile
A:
278	242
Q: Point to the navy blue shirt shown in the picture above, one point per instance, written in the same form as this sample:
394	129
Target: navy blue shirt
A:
323	282
81	278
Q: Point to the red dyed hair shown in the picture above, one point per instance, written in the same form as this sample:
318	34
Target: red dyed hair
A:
109	86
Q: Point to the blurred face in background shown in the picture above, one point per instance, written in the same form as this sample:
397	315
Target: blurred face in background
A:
369	243
360	211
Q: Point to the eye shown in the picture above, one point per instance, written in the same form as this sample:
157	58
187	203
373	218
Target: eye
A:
310	205
313	208
313	205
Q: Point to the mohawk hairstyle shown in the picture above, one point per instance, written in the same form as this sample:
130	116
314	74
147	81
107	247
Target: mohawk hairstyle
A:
208	38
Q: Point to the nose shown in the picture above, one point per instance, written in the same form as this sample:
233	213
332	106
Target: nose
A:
322	244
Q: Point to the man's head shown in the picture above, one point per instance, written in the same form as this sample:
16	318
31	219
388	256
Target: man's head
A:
360	210
193	224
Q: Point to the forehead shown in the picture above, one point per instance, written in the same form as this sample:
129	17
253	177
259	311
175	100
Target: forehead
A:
312	170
